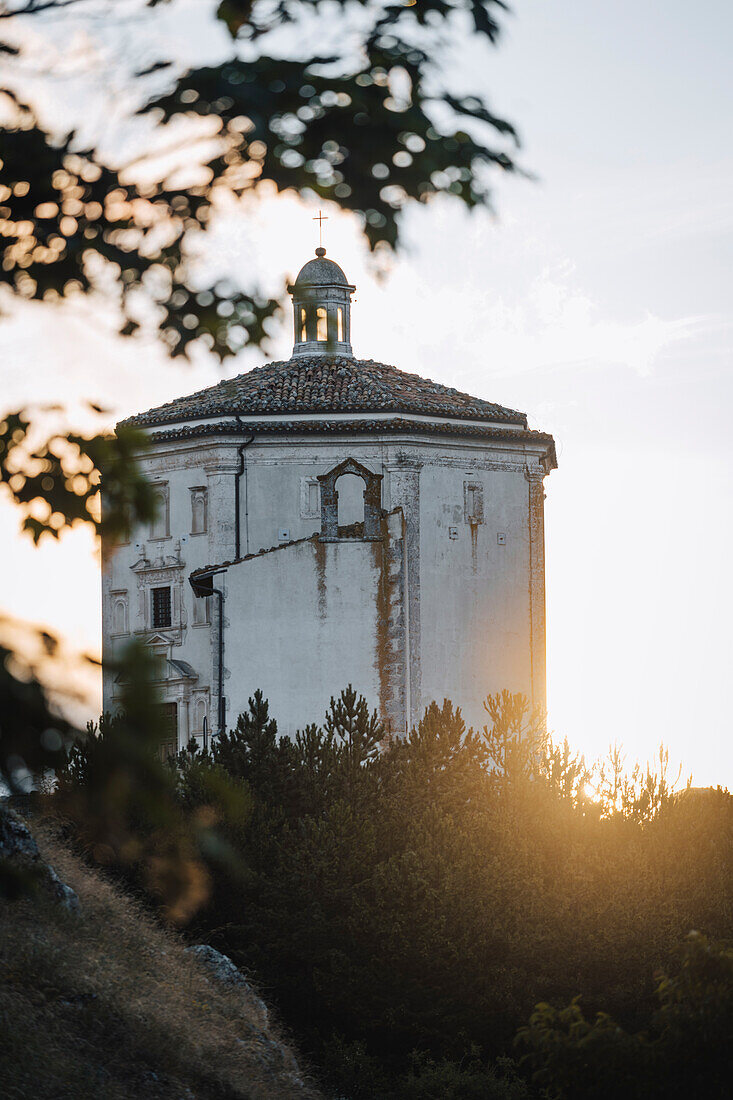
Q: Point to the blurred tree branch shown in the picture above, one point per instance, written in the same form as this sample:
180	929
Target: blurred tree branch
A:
358	126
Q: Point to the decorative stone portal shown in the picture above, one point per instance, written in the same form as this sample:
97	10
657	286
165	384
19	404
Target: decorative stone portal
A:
372	502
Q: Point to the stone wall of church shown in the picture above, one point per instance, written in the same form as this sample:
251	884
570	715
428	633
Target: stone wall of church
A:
303	621
475	570
474	584
470	573
194	527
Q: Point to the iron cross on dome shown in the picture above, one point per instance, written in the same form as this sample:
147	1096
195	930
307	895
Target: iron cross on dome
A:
320	219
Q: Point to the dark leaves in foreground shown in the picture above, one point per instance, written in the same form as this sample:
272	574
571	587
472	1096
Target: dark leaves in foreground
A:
54	479
371	127
123	806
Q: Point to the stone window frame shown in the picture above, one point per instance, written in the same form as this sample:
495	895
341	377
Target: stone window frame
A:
156	575
120	597
372	501
199	493
477	514
199	700
164	488
306	512
201	605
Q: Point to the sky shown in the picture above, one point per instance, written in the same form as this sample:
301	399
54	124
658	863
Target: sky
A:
596	297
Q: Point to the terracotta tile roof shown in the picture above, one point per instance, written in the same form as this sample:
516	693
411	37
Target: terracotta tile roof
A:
205	571
321	383
359	427
354	530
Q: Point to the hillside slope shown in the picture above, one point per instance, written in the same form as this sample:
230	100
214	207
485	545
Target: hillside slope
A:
103	1003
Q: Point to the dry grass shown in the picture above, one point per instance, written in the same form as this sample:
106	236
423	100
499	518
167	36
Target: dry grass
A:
107	1005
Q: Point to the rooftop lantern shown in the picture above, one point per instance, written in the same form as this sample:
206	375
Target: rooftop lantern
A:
322	308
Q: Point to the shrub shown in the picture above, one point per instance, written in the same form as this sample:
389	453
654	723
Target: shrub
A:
684	1051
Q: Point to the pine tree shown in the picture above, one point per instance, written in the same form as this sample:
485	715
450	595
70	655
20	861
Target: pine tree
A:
356	733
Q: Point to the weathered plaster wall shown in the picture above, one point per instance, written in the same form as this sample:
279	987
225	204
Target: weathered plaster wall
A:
472	616
177	471
303	621
474	594
274	493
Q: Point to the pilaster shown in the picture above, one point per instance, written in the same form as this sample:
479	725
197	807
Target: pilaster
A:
392	658
222	485
404	489
536	529
221	482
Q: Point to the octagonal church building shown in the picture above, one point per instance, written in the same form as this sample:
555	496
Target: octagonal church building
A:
327	521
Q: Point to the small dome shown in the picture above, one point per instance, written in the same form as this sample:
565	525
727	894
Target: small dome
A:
321	308
321	272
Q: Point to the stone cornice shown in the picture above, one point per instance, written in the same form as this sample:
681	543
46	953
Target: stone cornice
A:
396	425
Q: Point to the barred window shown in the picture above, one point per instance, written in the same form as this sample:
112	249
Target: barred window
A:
161	606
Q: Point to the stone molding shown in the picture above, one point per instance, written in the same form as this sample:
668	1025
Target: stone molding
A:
169	570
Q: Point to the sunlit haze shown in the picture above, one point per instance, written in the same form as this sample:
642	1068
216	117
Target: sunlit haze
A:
597	299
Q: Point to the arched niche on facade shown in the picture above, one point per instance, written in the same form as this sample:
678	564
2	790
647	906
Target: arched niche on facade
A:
329	500
119	615
199	715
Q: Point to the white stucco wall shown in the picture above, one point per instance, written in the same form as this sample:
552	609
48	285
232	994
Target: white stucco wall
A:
303	623
474	588
467	598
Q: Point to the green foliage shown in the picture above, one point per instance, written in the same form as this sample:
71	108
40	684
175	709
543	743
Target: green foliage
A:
351	1071
296	777
32	733
637	795
469	1079
250	749
308	126
131	812
521	751
351	739
68	217
55	483
684	1051
219	806
422	894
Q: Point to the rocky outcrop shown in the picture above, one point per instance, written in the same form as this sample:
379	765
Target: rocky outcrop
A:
19	852
272	1055
223	969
